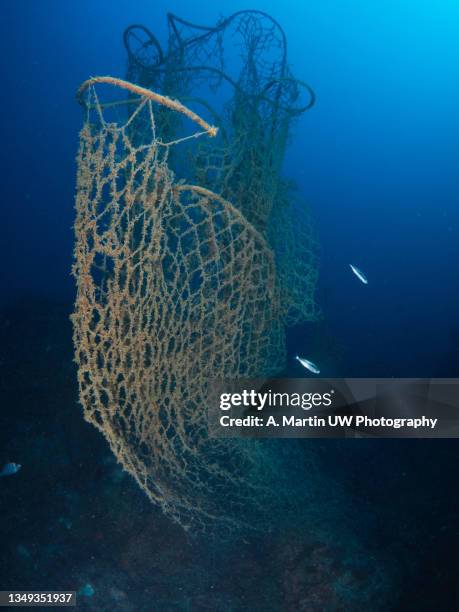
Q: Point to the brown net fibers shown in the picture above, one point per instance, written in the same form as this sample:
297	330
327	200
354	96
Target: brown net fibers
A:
237	72
174	287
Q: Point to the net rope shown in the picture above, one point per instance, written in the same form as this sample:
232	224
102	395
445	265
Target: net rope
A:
174	287
238	70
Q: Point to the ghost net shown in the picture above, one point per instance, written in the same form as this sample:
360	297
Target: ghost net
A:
192	256
174	287
239	67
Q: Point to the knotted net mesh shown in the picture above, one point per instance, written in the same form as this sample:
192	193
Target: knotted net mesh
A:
174	287
192	256
238	72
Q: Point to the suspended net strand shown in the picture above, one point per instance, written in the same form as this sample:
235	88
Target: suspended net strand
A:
192	257
244	163
294	240
149	95
174	288
196	49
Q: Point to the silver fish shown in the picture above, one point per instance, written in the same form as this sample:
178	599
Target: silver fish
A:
360	275
309	365
10	468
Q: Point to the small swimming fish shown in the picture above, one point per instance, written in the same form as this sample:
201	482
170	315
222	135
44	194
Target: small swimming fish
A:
360	275
309	365
10	468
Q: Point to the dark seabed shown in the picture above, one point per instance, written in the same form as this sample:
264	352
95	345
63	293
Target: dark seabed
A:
72	519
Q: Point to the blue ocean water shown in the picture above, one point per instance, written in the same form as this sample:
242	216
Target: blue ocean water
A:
376	159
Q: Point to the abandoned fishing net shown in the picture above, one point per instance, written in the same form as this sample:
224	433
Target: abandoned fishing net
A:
193	254
174	287
237	71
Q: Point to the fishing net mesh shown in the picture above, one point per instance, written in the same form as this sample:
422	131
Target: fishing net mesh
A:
174	287
181	280
237	71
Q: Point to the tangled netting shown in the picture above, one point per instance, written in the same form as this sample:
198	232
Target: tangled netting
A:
192	256
174	287
237	72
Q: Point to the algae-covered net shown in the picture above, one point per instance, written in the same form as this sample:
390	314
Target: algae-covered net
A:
237	71
191	258
174	287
